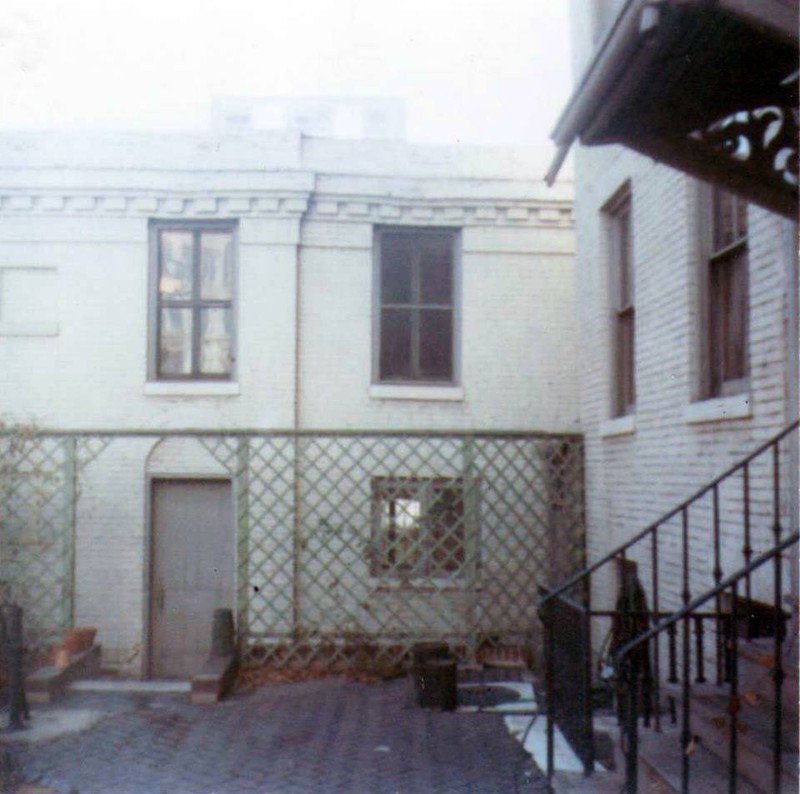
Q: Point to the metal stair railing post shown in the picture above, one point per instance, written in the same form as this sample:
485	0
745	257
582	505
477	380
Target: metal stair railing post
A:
732	657
778	625
550	684
630	727
686	729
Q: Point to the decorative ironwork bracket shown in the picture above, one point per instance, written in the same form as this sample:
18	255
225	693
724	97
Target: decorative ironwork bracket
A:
765	137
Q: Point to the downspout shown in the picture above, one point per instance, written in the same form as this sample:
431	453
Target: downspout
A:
790	257
297	420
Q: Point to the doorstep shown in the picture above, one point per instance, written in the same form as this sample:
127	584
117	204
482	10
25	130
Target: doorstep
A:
131	686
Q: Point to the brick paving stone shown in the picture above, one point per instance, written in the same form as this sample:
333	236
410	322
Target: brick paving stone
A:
327	737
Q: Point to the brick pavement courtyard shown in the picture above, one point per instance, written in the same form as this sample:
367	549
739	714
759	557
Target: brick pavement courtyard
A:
328	735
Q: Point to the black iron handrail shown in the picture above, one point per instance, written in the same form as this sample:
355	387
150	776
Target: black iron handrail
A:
691	608
625	664
581	583
668	516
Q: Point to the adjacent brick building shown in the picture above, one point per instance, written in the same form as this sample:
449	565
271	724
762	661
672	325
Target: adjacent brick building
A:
688	325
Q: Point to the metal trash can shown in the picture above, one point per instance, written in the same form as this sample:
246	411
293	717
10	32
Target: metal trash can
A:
434	675
437	683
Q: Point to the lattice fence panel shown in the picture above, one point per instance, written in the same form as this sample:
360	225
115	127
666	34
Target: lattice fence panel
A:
39	489
378	540
36	506
345	541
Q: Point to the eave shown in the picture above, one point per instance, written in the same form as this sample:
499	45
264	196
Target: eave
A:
706	86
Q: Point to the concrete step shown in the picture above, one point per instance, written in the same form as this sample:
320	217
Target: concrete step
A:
659	769
49	683
710	722
660	766
756	663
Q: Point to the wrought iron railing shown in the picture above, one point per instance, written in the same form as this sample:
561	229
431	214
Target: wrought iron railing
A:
625	661
753	490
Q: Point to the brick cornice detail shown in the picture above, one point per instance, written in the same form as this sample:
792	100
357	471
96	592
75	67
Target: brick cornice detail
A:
368	209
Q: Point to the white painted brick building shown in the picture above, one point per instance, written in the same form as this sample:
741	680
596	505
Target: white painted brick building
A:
74	259
86	296
681	431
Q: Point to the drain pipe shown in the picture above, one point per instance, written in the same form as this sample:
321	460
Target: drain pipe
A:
297	414
790	251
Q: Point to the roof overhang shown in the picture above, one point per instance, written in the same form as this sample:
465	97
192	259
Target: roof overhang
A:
707	86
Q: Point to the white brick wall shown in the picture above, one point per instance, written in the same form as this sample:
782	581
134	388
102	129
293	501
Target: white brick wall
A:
634	478
84	363
77	208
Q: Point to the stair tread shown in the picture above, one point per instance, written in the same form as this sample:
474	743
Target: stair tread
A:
761	652
758	719
710	720
662	754
756	689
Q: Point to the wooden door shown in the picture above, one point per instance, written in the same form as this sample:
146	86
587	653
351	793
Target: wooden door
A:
192	571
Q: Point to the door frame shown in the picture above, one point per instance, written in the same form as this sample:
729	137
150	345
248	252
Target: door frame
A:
151	479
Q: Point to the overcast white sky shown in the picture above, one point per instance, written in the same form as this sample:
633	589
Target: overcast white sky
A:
475	71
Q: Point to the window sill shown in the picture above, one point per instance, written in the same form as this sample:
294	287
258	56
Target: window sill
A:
191	389
416	392
421	586
719	409
29	329
619	426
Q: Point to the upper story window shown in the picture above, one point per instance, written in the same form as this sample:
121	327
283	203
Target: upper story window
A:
416	305
192	310
727	305
619	216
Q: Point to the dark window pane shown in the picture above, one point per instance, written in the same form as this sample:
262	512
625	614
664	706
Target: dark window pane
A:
727	321
175	276
436	344
741	218
175	342
396	268
736	317
418	527
446	527
216	266
395	352
623	295
626	397
729	218
723	219
727	294
625	257
436	271
215	341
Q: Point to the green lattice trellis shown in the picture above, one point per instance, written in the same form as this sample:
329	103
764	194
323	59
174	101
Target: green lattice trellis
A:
308	513
308	588
39	489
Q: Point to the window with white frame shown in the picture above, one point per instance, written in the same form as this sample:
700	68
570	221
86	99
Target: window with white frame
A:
418	527
416	311
619	217
193	300
727	305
